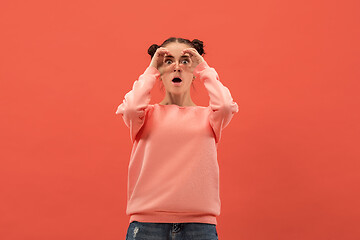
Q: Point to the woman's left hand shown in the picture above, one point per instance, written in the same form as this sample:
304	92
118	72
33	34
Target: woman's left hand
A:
195	57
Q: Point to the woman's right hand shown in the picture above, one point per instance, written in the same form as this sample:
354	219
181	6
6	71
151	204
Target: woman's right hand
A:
158	57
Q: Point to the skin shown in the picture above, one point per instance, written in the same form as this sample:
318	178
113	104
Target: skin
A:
182	67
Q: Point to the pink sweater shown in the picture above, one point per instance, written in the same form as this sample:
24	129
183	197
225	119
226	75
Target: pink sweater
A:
173	173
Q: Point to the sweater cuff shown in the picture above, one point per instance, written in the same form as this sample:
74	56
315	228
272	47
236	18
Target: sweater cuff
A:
201	66
152	70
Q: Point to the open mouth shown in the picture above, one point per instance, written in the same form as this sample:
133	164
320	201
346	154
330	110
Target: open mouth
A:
177	80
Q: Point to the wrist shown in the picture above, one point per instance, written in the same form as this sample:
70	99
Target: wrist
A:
152	70
200	67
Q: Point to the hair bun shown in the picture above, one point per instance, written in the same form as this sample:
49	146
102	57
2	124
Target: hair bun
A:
199	46
152	49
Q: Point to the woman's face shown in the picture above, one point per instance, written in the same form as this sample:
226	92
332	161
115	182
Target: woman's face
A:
176	65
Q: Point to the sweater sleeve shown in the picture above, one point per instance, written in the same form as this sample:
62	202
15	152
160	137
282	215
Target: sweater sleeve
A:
135	104
221	103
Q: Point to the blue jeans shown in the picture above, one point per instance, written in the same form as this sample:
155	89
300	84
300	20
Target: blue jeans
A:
171	231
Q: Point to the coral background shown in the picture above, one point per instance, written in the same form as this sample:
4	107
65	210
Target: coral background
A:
289	159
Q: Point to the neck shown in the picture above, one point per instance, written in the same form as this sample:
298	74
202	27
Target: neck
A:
177	99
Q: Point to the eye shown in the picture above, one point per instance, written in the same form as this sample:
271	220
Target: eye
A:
168	60
186	61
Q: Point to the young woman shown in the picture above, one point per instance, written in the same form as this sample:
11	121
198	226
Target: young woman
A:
173	174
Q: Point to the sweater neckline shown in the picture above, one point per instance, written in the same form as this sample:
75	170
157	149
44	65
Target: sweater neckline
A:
182	107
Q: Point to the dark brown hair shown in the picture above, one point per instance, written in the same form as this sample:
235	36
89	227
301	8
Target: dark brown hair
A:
196	43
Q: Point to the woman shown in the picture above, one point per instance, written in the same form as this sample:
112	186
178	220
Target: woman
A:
173	175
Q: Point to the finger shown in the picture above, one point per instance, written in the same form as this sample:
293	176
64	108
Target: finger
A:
186	50
193	54
190	50
164	52
164	49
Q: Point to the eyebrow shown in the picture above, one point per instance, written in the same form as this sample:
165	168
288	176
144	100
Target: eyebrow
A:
170	56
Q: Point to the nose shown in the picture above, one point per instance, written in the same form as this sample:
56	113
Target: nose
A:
177	67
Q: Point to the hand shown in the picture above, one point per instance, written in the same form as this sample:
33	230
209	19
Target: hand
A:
195	57
158	58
